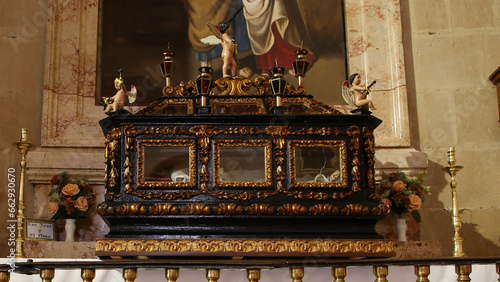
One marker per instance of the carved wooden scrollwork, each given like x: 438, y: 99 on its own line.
x: 112, y: 149
x: 354, y: 132
x: 370, y: 151
x: 287, y: 209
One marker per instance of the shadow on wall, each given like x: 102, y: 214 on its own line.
x: 437, y: 218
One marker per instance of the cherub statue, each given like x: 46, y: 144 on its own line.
x: 356, y: 94
x: 222, y: 33
x: 118, y: 101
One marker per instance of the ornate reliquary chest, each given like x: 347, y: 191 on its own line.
x: 237, y: 168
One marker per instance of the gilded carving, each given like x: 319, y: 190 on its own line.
x: 228, y: 209
x: 131, y: 209
x: 245, y: 246
x: 370, y: 151
x: 112, y: 147
x: 196, y: 209
x: 163, y: 209
x: 292, y: 209
x: 354, y: 132
x: 260, y: 209
x: 236, y: 209
x: 279, y: 143
x: 110, y: 196
x: 326, y: 209
x: 262, y: 85
x: 355, y: 209
x: 230, y: 86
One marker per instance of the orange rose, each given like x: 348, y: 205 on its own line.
x: 386, y: 202
x: 70, y: 189
x: 81, y: 203
x: 398, y: 185
x: 415, y: 202
x: 53, y: 206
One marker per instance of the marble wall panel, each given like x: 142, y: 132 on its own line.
x: 375, y: 50
x: 374, y: 47
x: 71, y: 59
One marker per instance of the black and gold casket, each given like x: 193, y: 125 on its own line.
x: 240, y: 175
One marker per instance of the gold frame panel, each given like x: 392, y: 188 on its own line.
x: 267, y: 144
x: 190, y: 143
x: 341, y: 144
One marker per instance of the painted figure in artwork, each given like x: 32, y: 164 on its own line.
x: 355, y: 94
x: 117, y: 102
x: 262, y: 28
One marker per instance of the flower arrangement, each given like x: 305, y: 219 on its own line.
x: 403, y: 194
x: 70, y: 197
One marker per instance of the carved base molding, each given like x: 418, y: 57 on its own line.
x: 245, y: 247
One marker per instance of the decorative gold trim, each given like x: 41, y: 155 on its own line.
x: 204, y: 134
x: 230, y: 86
x: 143, y: 143
x: 304, y: 247
x: 354, y: 132
x: 341, y: 144
x: 235, y: 209
x: 111, y: 151
x: 243, y: 143
x: 370, y: 151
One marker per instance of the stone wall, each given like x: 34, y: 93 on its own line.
x: 451, y: 48
x: 432, y: 60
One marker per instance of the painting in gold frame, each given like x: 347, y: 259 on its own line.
x: 137, y: 45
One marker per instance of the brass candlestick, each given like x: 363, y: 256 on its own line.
x: 452, y: 170
x: 23, y: 147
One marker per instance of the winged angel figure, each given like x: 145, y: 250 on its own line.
x: 355, y: 94
x: 117, y: 102
x: 221, y: 36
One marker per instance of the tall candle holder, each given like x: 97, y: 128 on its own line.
x: 23, y: 147
x: 452, y: 170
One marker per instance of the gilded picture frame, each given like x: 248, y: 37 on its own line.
x: 240, y: 160
x: 333, y: 161
x: 155, y: 171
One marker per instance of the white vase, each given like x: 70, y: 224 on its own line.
x: 70, y: 228
x: 401, y: 228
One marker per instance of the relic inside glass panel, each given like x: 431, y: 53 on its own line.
x: 242, y: 164
x: 317, y: 164
x: 166, y: 164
